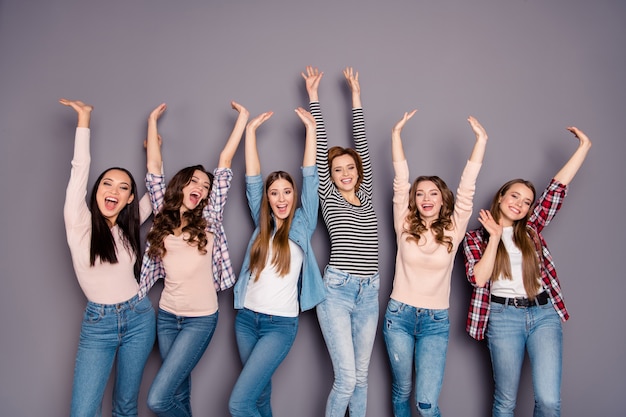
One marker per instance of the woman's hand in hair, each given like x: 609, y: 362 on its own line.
x: 83, y: 110
x: 312, y: 79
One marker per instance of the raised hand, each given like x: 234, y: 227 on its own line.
x: 493, y: 228
x: 312, y: 79
x: 479, y: 130
x: 157, y: 112
x: 254, y: 124
x: 352, y: 78
x: 407, y: 116
x: 584, y: 140
x: 82, y: 109
x: 306, y: 117
x: 240, y: 109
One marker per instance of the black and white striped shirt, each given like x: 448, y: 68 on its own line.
x: 352, y: 229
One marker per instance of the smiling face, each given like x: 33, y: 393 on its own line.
x: 280, y: 195
x: 515, y: 203
x: 428, y: 200
x: 196, y: 190
x: 113, y: 194
x: 344, y: 173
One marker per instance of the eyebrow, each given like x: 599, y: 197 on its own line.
x: 111, y: 179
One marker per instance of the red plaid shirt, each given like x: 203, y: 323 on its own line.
x: 476, y: 240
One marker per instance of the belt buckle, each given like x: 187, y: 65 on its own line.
x: 520, y: 302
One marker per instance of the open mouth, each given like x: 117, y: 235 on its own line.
x: 110, y: 203
x: 195, y: 197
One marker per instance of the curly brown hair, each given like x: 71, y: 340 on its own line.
x: 416, y: 225
x: 169, y: 218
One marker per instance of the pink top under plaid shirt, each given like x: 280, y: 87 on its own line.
x: 223, y: 274
x: 475, y: 241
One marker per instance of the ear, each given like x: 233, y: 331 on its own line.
x: 131, y: 199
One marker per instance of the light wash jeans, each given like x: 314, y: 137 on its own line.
x: 351, y: 303
x: 416, y: 337
x: 182, y: 342
x: 126, y: 330
x: 510, y: 332
x: 263, y: 341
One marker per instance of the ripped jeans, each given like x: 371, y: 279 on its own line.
x: 416, y: 338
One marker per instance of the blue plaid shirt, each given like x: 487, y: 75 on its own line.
x: 223, y: 275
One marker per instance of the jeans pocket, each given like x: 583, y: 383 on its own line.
x: 440, y: 315
x: 496, y: 308
x: 393, y: 306
x: 143, y: 306
x: 332, y: 280
x: 92, y: 316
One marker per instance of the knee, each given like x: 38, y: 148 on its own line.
x: 548, y: 406
x: 345, y: 383
x: 427, y: 409
x: 157, y: 403
x: 239, y: 407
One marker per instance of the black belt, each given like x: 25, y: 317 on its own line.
x: 541, y: 299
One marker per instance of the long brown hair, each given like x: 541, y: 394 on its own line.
x: 336, y: 151
x: 522, y: 239
x: 281, y: 257
x: 169, y: 218
x: 416, y: 225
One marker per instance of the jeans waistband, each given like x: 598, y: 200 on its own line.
x: 362, y: 278
x: 124, y: 305
x: 540, y: 300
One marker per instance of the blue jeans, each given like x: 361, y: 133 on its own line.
x: 263, y: 341
x: 125, y: 330
x: 351, y: 303
x: 416, y: 337
x: 510, y: 332
x: 182, y: 342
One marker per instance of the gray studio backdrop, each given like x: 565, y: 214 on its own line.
x: 525, y: 69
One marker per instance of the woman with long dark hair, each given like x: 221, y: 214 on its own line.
x: 118, y: 324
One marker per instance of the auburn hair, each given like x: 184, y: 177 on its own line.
x: 522, y: 239
x: 336, y: 151
x: 415, y: 225
x: 281, y: 257
x: 170, y: 218
x: 102, y: 244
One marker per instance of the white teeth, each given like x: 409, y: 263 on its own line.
x: 112, y: 200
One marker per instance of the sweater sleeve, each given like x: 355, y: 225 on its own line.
x: 401, y: 188
x: 323, y: 169
x: 465, y: 199
x: 75, y: 211
x: 361, y: 146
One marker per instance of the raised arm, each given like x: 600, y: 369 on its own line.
x: 312, y: 79
x: 478, y: 152
x: 226, y: 157
x: 83, y: 110
x: 253, y: 164
x: 352, y: 78
x: 569, y: 170
x: 310, y: 150
x: 153, y: 141
x: 397, y: 150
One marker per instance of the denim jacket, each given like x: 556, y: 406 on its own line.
x: 311, y: 286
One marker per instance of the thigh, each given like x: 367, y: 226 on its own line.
x: 94, y: 361
x: 335, y: 320
x: 276, y: 336
x: 365, y: 323
x: 430, y: 354
x: 134, y: 350
x: 506, y: 338
x: 400, y: 341
x: 545, y: 351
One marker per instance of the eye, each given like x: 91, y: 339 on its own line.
x: 107, y: 183
x: 287, y: 192
x: 125, y: 187
x: 419, y: 194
